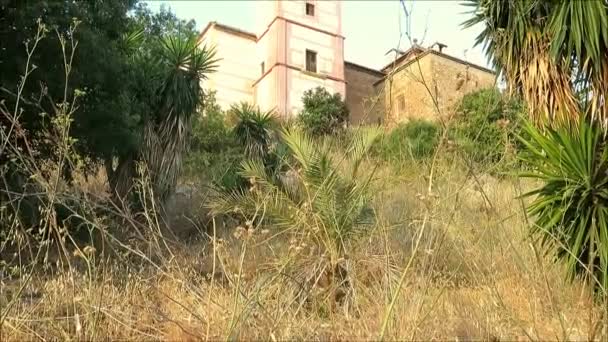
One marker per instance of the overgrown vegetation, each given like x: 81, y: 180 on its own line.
x: 215, y: 154
x: 559, y: 64
x: 304, y: 232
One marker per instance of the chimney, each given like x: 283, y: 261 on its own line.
x: 440, y: 46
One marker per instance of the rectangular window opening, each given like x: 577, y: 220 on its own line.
x: 310, y: 9
x: 401, y: 103
x: 262, y: 67
x: 311, y: 61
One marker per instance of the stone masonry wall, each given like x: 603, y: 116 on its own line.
x: 365, y: 106
x: 430, y: 88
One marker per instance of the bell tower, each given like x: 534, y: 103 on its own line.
x: 299, y: 47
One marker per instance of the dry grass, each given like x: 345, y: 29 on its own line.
x: 475, y: 276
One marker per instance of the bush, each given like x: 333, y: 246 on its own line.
x: 323, y: 112
x: 215, y: 154
x: 486, y: 124
x: 416, y: 139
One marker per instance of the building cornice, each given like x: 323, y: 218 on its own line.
x: 313, y: 74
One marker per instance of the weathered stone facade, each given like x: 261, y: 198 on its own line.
x: 428, y: 86
x: 365, y: 106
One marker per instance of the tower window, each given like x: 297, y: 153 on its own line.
x: 262, y: 67
x: 310, y: 9
x: 311, y: 61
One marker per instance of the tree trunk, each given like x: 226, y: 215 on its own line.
x: 121, y: 178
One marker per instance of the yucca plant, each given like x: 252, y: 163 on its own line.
x: 254, y: 129
x: 571, y: 206
x: 321, y: 196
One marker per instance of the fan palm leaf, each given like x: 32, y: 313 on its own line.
x: 313, y: 196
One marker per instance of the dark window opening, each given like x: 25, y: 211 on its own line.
x: 262, y: 66
x: 401, y: 103
x: 311, y: 61
x: 310, y: 9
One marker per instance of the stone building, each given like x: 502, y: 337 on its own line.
x: 298, y: 45
x: 426, y: 83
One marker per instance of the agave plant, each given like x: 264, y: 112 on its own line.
x: 571, y: 207
x: 254, y: 129
x: 321, y: 195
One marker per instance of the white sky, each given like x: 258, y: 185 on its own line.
x: 371, y: 27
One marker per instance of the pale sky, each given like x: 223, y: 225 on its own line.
x: 371, y: 27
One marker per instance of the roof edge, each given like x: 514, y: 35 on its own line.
x: 228, y: 29
x: 365, y: 69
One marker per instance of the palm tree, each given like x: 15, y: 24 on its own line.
x: 550, y: 52
x: 254, y: 129
x: 321, y: 195
x: 555, y: 53
x: 170, y: 72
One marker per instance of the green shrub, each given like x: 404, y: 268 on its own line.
x: 323, y: 112
x: 215, y: 154
x: 416, y: 139
x: 485, y: 125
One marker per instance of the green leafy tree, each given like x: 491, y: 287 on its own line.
x: 323, y: 113
x: 104, y: 123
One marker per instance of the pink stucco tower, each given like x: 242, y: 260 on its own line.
x: 300, y: 46
x: 297, y: 45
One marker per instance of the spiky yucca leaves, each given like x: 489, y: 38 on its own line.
x: 182, y: 67
x: 550, y: 52
x: 254, y: 129
x: 322, y: 197
x: 571, y: 207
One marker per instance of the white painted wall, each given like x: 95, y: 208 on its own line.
x: 235, y: 74
x: 326, y: 14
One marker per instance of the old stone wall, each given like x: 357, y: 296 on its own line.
x: 430, y: 88
x: 365, y: 105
